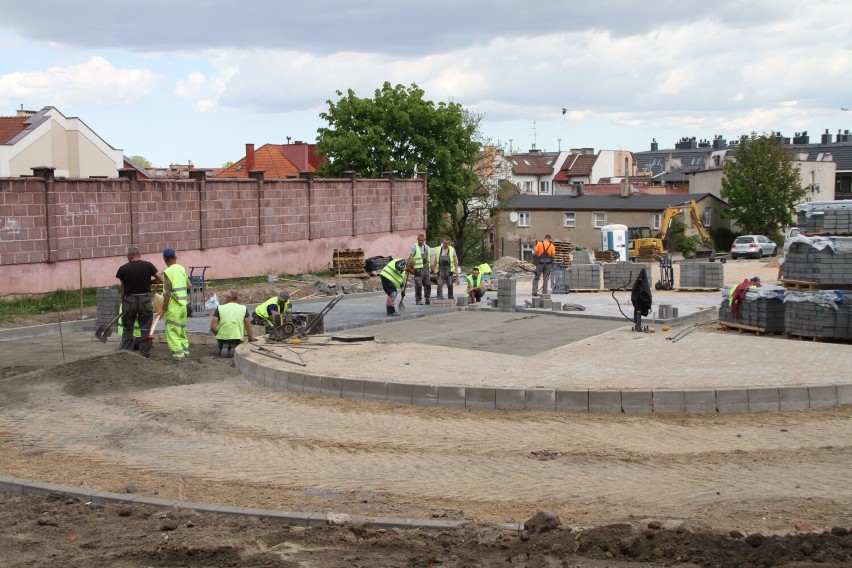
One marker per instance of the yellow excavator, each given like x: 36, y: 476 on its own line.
x: 639, y: 237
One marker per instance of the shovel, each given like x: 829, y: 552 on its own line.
x: 153, y: 327
x: 401, y: 307
x: 105, y: 330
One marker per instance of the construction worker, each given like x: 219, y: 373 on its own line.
x: 544, y: 252
x: 136, y: 276
x: 475, y: 285
x: 229, y: 321
x: 175, y: 305
x: 265, y: 313
x: 421, y: 253
x: 447, y: 265
x: 392, y: 276
x: 137, y: 331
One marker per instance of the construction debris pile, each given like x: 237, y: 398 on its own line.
x: 509, y: 266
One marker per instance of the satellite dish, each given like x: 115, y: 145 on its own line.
x: 513, y: 217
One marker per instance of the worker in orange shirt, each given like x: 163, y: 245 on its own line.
x: 544, y: 252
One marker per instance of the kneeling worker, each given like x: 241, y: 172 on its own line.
x: 265, y: 313
x: 475, y: 285
x: 392, y: 276
x: 229, y: 321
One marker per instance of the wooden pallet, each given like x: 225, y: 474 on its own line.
x: 806, y: 285
x: 698, y: 289
x: 585, y: 290
x: 818, y: 338
x: 742, y: 328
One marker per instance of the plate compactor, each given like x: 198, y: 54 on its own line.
x: 299, y: 325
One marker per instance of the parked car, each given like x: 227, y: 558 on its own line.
x: 753, y: 246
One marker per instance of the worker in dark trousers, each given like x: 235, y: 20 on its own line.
x: 475, y: 286
x: 392, y: 277
x: 422, y: 274
x: 137, y: 311
x: 544, y: 252
x: 448, y: 268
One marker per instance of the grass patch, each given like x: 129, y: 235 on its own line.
x: 227, y: 283
x: 59, y: 301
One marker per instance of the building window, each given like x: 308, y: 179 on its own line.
x: 569, y: 221
x: 707, y: 218
x: 656, y: 221
x: 528, y: 187
x: 598, y: 219
x: 523, y: 219
x: 544, y: 187
x: 527, y: 252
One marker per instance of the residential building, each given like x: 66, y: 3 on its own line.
x: 277, y: 161
x: 48, y: 138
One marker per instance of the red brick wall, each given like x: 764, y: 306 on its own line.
x: 51, y: 230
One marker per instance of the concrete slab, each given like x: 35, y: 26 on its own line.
x: 510, y: 399
x: 311, y: 384
x: 376, y: 390
x: 572, y: 400
x: 699, y: 401
x: 637, y: 401
x: 763, y: 399
x: 731, y: 400
x: 453, y: 397
x: 793, y: 398
x: 605, y: 401
x: 823, y: 396
x: 540, y: 399
x: 424, y: 395
x: 352, y: 388
x: 669, y: 401
x: 480, y: 397
x: 400, y: 392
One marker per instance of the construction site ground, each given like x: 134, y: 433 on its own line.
x: 667, y: 489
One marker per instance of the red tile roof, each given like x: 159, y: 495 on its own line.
x: 532, y: 164
x: 278, y: 161
x: 576, y: 165
x: 11, y: 126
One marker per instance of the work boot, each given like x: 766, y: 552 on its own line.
x: 231, y: 350
x: 223, y: 352
x: 427, y: 301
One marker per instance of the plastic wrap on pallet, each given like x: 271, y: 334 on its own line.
x: 827, y: 217
x: 762, y: 309
x: 841, y: 245
x: 818, y: 314
x: 828, y: 298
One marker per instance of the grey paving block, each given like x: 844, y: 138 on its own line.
x: 730, y: 401
x: 844, y: 394
x: 424, y: 395
x: 572, y: 400
x: 510, y: 399
x: 437, y: 524
x: 669, y: 401
x: 793, y: 398
x: 763, y: 399
x: 311, y: 384
x: 391, y: 523
x: 108, y: 497
x: 375, y: 390
x: 605, y: 401
x: 316, y: 519
x: 540, y: 399
x: 331, y: 386
x: 699, y: 401
x: 39, y: 488
x: 196, y: 506
x: 295, y: 382
x: 400, y: 392
x: 823, y: 396
x: 637, y: 401
x: 246, y: 511
x: 352, y: 388
x: 480, y: 397
x: 157, y: 501
x: 451, y: 396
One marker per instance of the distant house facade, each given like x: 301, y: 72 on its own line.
x: 524, y: 219
x: 276, y: 161
x: 47, y: 138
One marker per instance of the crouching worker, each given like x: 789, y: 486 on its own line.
x: 265, y: 313
x: 392, y: 276
x: 229, y: 321
x: 475, y: 285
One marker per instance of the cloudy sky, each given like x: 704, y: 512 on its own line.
x: 198, y: 79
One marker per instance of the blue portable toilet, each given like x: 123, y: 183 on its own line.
x: 614, y: 237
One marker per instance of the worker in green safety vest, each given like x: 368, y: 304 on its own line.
x: 265, y: 313
x: 175, y: 302
x: 392, y: 276
x: 475, y: 285
x: 230, y: 321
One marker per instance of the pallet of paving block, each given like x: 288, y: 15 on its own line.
x: 742, y: 328
x: 806, y: 285
x: 584, y: 290
x: 818, y: 338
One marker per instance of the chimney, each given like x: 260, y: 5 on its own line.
x: 249, y: 157
x: 625, y: 188
x: 826, y: 137
x: 654, y: 145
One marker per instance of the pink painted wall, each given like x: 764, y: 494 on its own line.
x: 51, y: 231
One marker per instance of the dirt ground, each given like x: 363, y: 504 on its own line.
x: 676, y: 490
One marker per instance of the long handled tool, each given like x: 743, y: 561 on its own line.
x: 153, y: 327
x: 401, y: 307
x: 105, y: 330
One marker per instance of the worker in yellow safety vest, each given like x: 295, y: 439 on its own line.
x: 229, y: 322
x: 447, y: 266
x: 175, y: 303
x: 475, y: 285
x: 265, y: 313
x: 421, y: 255
x: 392, y: 276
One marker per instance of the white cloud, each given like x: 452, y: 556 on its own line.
x: 95, y: 81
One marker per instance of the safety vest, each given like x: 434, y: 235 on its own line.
x: 231, y: 321
x: 477, y: 283
x: 263, y: 310
x: 180, y: 283
x: 418, y: 255
x: 391, y: 273
x: 543, y: 249
x: 451, y: 255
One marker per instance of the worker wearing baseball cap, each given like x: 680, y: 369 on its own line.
x: 276, y: 305
x: 136, y: 309
x: 175, y: 305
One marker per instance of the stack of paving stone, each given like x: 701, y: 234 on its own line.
x: 563, y: 248
x: 822, y: 262
x: 762, y: 309
x: 583, y: 277
x: 584, y: 256
x: 702, y: 275
x: 506, y: 293
x: 818, y: 313
x: 108, y: 302
x: 348, y: 261
x: 649, y: 253
x: 617, y: 275
x: 825, y: 218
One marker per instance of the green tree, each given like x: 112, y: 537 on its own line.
x: 401, y: 132
x: 140, y: 161
x: 761, y: 185
x: 228, y: 164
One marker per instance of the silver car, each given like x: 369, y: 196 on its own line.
x: 753, y: 246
